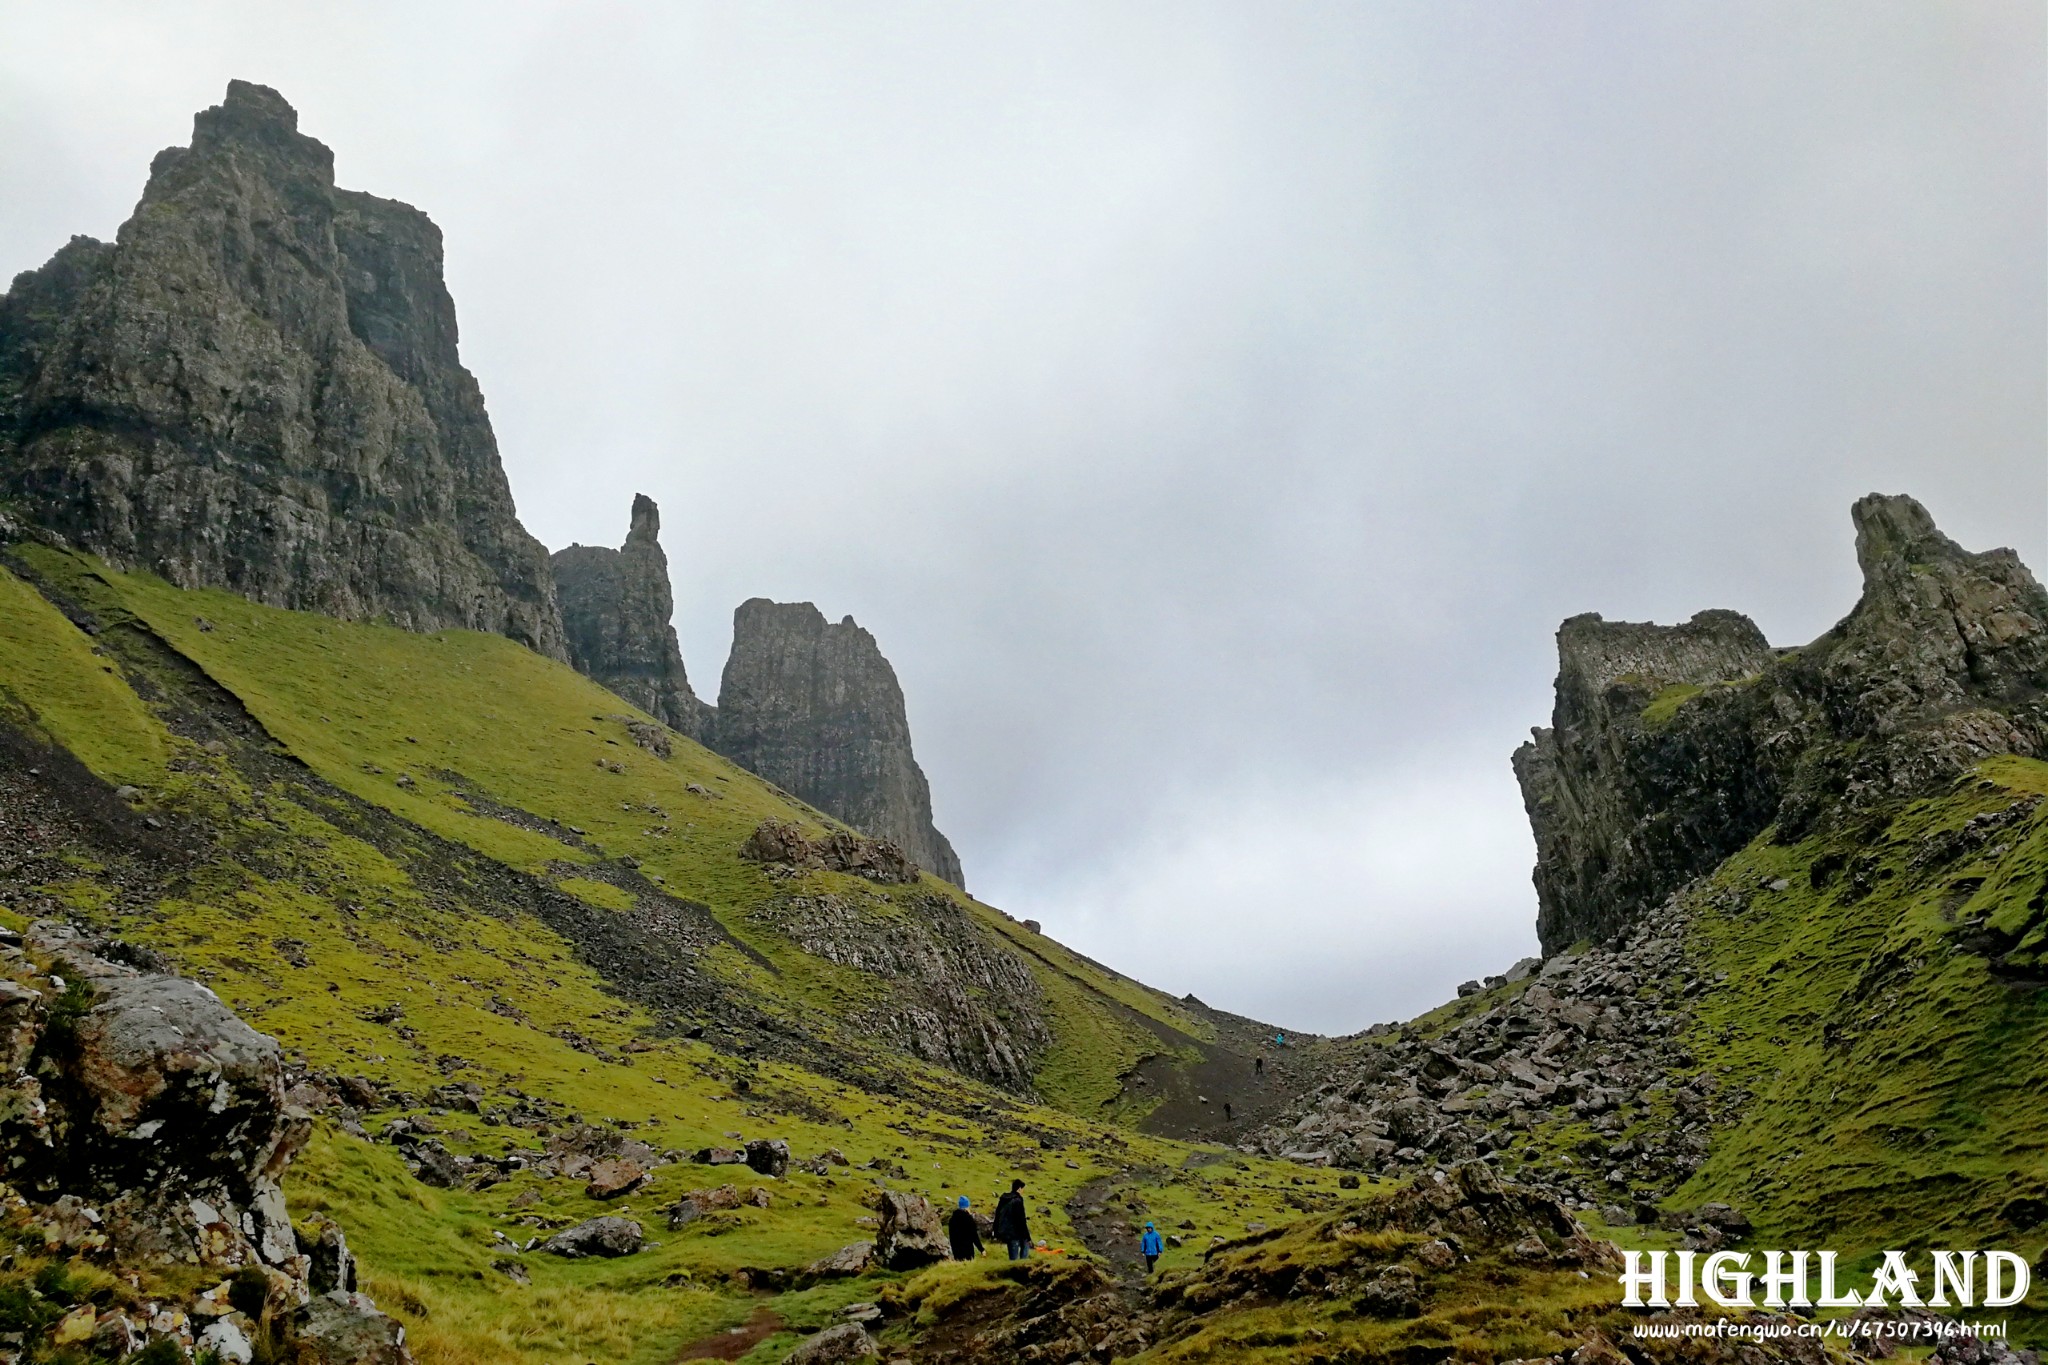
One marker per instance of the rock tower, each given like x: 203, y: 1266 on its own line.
x: 256, y: 387
x: 616, y: 612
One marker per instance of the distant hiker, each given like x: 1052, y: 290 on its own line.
x: 1012, y: 1229
x: 1259, y: 1066
x: 1226, y: 1111
x: 1279, y: 1040
x: 964, y: 1233
x: 1151, y: 1245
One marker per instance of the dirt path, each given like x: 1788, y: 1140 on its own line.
x: 733, y: 1342
x: 1103, y: 1221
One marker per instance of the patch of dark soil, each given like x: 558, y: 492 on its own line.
x: 57, y: 820
x: 734, y: 1342
x: 1227, y: 1095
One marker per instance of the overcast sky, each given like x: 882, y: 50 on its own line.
x: 1212, y: 409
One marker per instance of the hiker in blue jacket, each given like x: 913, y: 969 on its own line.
x: 963, y: 1232
x: 1152, y: 1246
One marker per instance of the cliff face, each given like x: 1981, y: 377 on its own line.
x: 815, y: 708
x: 1672, y: 747
x: 616, y: 612
x: 256, y: 387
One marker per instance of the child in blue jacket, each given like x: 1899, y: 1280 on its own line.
x: 1151, y: 1245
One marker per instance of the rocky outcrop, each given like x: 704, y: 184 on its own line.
x: 1670, y: 748
x: 142, y: 1095
x: 617, y: 607
x: 815, y: 708
x: 604, y: 1236
x: 785, y: 846
x: 1625, y: 808
x: 256, y: 387
x: 143, y: 1123
x: 956, y: 996
x: 1395, y: 1268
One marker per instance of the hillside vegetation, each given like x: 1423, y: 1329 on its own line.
x: 443, y: 865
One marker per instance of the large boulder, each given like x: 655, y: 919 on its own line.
x: 341, y: 1328
x: 606, y: 1236
x: 151, y: 1101
x: 855, y: 1258
x: 613, y: 1177
x: 909, y: 1233
x: 769, y: 1157
x: 330, y: 1265
x: 145, y: 1123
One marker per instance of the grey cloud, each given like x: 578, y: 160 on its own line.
x: 1211, y: 409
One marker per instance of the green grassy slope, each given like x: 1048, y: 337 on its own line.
x: 453, y: 730
x: 328, y: 912
x: 61, y: 687
x: 1901, y: 1083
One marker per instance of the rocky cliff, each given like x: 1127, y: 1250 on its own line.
x: 256, y: 387
x: 811, y: 706
x: 815, y: 708
x: 616, y: 613
x: 1672, y: 747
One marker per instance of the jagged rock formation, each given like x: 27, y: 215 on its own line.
x: 616, y: 611
x: 256, y: 387
x: 145, y: 1123
x: 1670, y: 748
x: 1612, y: 794
x: 815, y: 708
x: 811, y: 706
x: 779, y: 844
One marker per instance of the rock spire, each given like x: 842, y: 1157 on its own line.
x: 811, y: 706
x: 256, y: 387
x: 616, y: 612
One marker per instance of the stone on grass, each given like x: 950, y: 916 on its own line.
x: 346, y: 1329
x: 769, y: 1157
x: 613, y: 1177
x: 606, y: 1236
x: 834, y: 1346
x: 852, y: 1259
x: 226, y: 1339
x: 909, y: 1234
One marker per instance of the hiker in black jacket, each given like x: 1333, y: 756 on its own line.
x: 1012, y: 1229
x: 964, y: 1233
